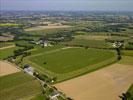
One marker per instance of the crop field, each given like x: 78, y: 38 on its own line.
x: 6, y: 68
x: 8, y: 25
x: 47, y: 27
x: 127, y: 52
x: 92, y: 37
x: 104, y: 84
x: 18, y: 86
x: 49, y: 31
x: 89, y: 43
x: 130, y: 90
x: 70, y: 62
x: 128, y: 60
x: 6, y: 38
x: 100, y: 37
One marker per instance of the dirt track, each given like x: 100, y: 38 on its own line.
x: 7, y: 68
x: 104, y: 84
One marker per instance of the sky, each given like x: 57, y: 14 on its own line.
x: 114, y: 5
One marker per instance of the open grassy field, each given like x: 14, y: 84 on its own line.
x: 5, y: 44
x: 92, y: 37
x: 18, y: 86
x: 49, y: 31
x: 4, y: 53
x: 8, y: 25
x: 104, y: 84
x: 66, y: 63
x: 126, y: 60
x: 127, y: 52
x: 7, y: 68
x: 130, y: 90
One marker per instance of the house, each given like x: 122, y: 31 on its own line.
x: 44, y: 43
x: 28, y: 69
x: 54, y: 95
x: 118, y: 44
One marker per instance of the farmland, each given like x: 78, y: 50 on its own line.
x: 104, y: 84
x: 79, y: 55
x: 47, y: 27
x: 6, y: 44
x: 7, y: 52
x: 6, y: 68
x: 88, y: 43
x: 60, y: 63
x: 130, y: 90
x: 18, y: 86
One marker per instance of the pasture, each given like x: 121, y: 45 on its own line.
x: 8, y: 25
x: 18, y: 86
x: 5, y: 44
x: 130, y: 90
x: 89, y: 43
x: 7, y: 68
x: 66, y: 63
x: 92, y: 37
x: 4, y: 53
x: 104, y: 84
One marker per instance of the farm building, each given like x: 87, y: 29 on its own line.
x: 28, y: 69
x: 54, y: 95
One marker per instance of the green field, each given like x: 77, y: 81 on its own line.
x: 18, y: 85
x: 130, y: 90
x: 4, y: 44
x: 8, y: 25
x: 70, y: 62
x: 127, y: 57
x: 127, y: 52
x: 7, y: 52
x: 89, y: 43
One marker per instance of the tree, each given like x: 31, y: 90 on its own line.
x: 118, y: 46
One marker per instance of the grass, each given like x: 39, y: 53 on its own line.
x: 4, y: 44
x: 49, y: 31
x: 39, y: 49
x: 7, y: 52
x: 127, y: 52
x: 71, y: 62
x: 39, y: 97
x: 130, y: 90
x: 63, y: 61
x: 18, y: 86
x: 126, y: 60
x: 9, y: 25
x: 89, y: 43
